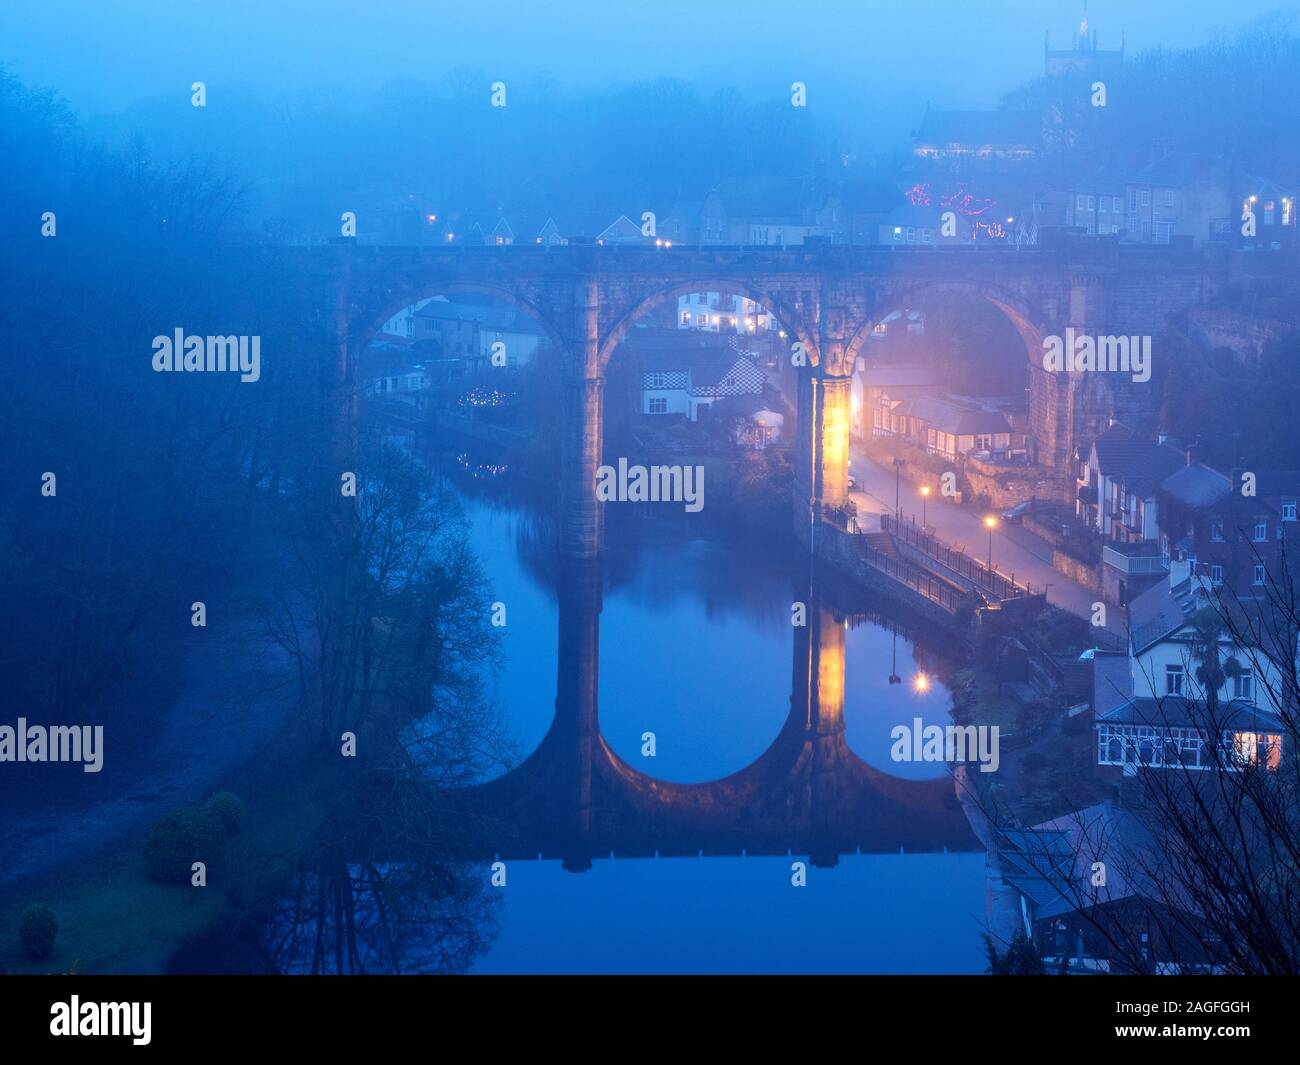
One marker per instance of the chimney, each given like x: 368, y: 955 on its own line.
x: 1180, y: 571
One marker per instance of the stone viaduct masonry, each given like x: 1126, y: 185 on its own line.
x: 827, y: 298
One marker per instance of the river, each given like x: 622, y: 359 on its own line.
x: 695, y: 640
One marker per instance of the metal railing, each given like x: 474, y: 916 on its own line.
x: 933, y: 588
x: 988, y: 580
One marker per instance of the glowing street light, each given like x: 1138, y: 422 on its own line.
x: 990, y: 523
x: 925, y: 496
x: 921, y: 684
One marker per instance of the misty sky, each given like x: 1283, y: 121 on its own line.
x: 103, y: 55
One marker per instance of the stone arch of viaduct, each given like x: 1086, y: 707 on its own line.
x: 828, y: 298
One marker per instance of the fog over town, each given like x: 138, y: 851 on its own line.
x: 689, y: 488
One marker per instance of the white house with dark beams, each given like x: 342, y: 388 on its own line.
x: 683, y: 373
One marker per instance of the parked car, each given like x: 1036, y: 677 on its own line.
x: 1014, y: 514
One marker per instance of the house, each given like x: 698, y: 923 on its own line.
x: 907, y: 225
x: 765, y: 427
x: 1157, y: 711
x: 1234, y: 540
x: 950, y: 426
x: 1153, y: 502
x: 392, y: 368
x: 590, y: 227
x: 852, y: 211
x: 719, y: 312
x: 683, y: 373
x: 622, y: 230
x: 1175, y: 732
x: 878, y: 391
x: 1157, y: 203
x: 769, y: 210
x: 754, y: 424
x: 1272, y: 208
x: 471, y: 331
x: 1123, y: 921
x: 402, y: 324
x: 685, y: 223
x: 500, y: 234
x: 1095, y: 203
x: 1117, y: 487
x: 550, y: 234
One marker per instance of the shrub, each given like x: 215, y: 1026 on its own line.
x: 180, y: 838
x: 36, y: 929
x: 229, y: 809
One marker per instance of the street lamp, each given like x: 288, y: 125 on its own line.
x: 898, y: 473
x: 925, y: 495
x: 921, y: 683
x: 990, y: 523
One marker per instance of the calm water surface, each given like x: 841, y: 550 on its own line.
x: 682, y: 618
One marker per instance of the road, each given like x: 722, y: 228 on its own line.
x: 1015, y: 549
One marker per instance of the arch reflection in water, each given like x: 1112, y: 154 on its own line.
x: 807, y: 794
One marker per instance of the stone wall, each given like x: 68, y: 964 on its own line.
x: 1003, y: 486
x: 1246, y: 336
x: 1084, y: 573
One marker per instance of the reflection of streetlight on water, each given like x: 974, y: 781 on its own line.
x: 894, y: 678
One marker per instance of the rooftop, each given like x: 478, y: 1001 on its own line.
x: 1175, y: 711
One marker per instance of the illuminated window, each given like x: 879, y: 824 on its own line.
x: 1256, y: 748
